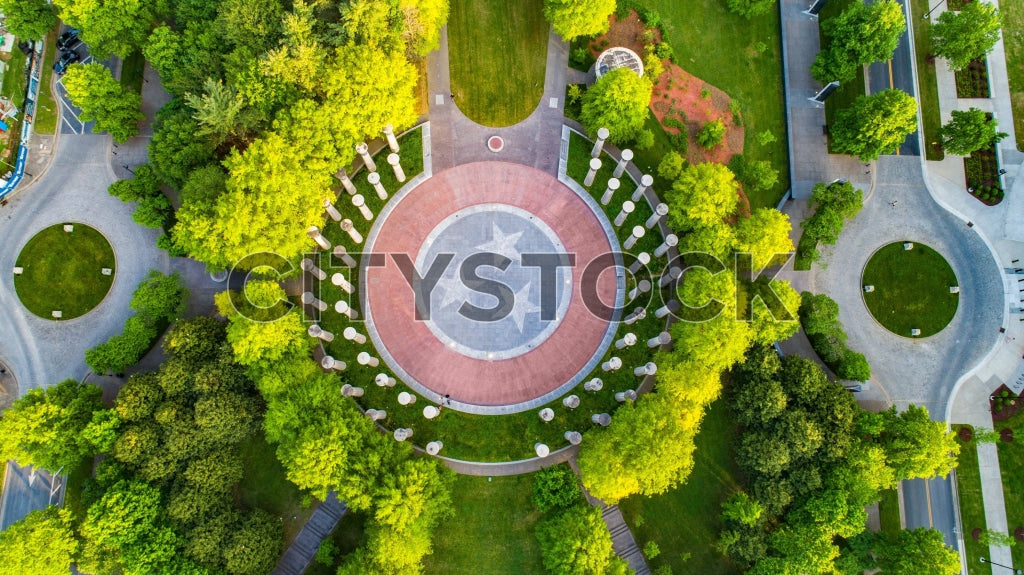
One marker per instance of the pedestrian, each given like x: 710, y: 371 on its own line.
x: 447, y: 399
x: 452, y: 94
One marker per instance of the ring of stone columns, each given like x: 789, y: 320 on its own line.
x: 539, y: 368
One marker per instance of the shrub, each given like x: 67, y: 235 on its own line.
x: 556, y: 488
x: 644, y: 140
x: 737, y: 114
x: 671, y: 165
x: 664, y: 51
x: 325, y: 554
x: 711, y: 134
x: 766, y: 137
x: 819, y: 316
x: 651, y: 550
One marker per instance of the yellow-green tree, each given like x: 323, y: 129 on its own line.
x: 104, y: 100
x: 574, y: 18
x: 43, y: 543
x: 617, y: 101
x: 705, y: 194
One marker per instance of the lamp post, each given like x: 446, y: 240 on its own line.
x: 929, y: 13
x: 1017, y: 571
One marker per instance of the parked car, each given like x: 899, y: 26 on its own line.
x: 69, y: 35
x: 71, y: 45
x: 65, y: 60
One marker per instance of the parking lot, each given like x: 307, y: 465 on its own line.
x: 70, y: 122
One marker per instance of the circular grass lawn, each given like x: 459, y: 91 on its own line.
x: 911, y: 289
x: 64, y: 271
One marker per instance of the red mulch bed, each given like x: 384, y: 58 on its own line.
x: 976, y: 533
x: 1018, y: 534
x: 1008, y: 410
x: 966, y: 434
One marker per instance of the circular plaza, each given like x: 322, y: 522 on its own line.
x: 491, y: 287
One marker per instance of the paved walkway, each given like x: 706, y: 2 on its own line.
x: 302, y: 551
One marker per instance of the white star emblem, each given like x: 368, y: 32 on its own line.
x: 454, y: 291
x: 502, y: 243
x: 523, y: 306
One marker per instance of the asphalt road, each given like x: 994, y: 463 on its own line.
x: 897, y: 73
x: 929, y: 504
x: 27, y: 491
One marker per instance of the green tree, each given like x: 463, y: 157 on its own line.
x: 861, y: 34
x: 915, y: 445
x: 102, y: 99
x: 618, y: 102
x: 967, y: 35
x: 874, y: 124
x: 750, y: 8
x: 915, y: 552
x: 704, y: 195
x: 28, y: 19
x: 258, y: 343
x: 160, y: 298
x: 575, y: 542
x: 764, y: 235
x: 556, y: 488
x: 969, y: 131
x: 256, y: 546
x: 118, y: 26
x: 44, y: 427
x: 175, y: 152
x: 43, y: 543
x: 101, y: 433
x: 573, y: 18
x: 671, y: 165
x: 711, y: 134
x: 221, y: 113
x: 742, y: 509
x: 422, y: 23
x: 833, y: 204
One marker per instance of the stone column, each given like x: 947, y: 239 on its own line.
x: 541, y: 450
x: 332, y: 211
x: 606, y: 197
x: 546, y: 414
x: 645, y: 182
x: 638, y: 232
x: 430, y: 412
x: 382, y: 379
x: 376, y: 414
x: 637, y: 315
x: 627, y: 340
x: 573, y: 437
x: 612, y: 364
x: 314, y: 234
x: 642, y: 286
x: 602, y: 419
x: 396, y: 166
x: 660, y: 211
x: 351, y: 391
x: 309, y: 299
x: 571, y: 402
x: 341, y: 253
x: 666, y: 309
x: 329, y: 362
x: 374, y: 179
x: 642, y: 259
x: 650, y: 368
x: 627, y: 208
x: 366, y: 359
x: 593, y: 385
x: 348, y: 227
x: 628, y: 395
x: 364, y: 152
x: 339, y: 280
x: 359, y: 202
x: 671, y: 276
x: 602, y: 135
x: 595, y: 165
x: 307, y: 265
x: 351, y: 334
x: 406, y: 398
x: 346, y: 182
x: 346, y: 310
x: 434, y: 447
x: 389, y: 133
x: 402, y: 433
x: 663, y: 338
x: 317, y: 331
x: 671, y: 241
x: 627, y: 155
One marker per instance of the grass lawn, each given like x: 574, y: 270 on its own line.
x: 45, y: 121
x: 479, y: 437
x: 972, y: 509
x: 265, y: 486
x: 889, y: 511
x: 497, y: 54
x: 1013, y: 41
x: 492, y: 530
x: 848, y: 91
x: 721, y: 48
x: 131, y: 71
x: 927, y: 84
x: 13, y: 86
x: 63, y: 271
x: 1011, y: 462
x: 911, y: 289
x: 685, y: 520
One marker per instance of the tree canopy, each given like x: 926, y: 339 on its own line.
x: 705, y: 194
x: 43, y: 543
x: 967, y: 35
x: 575, y: 542
x: 861, y: 34
x: 875, y: 124
x: 574, y: 18
x: 968, y: 131
x: 28, y: 19
x: 617, y: 101
x: 104, y: 100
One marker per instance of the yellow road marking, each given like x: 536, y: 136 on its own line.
x: 928, y: 496
x: 891, y: 86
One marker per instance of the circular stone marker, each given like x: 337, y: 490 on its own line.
x: 64, y: 274
x: 505, y: 320
x: 495, y: 144
x: 910, y: 289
